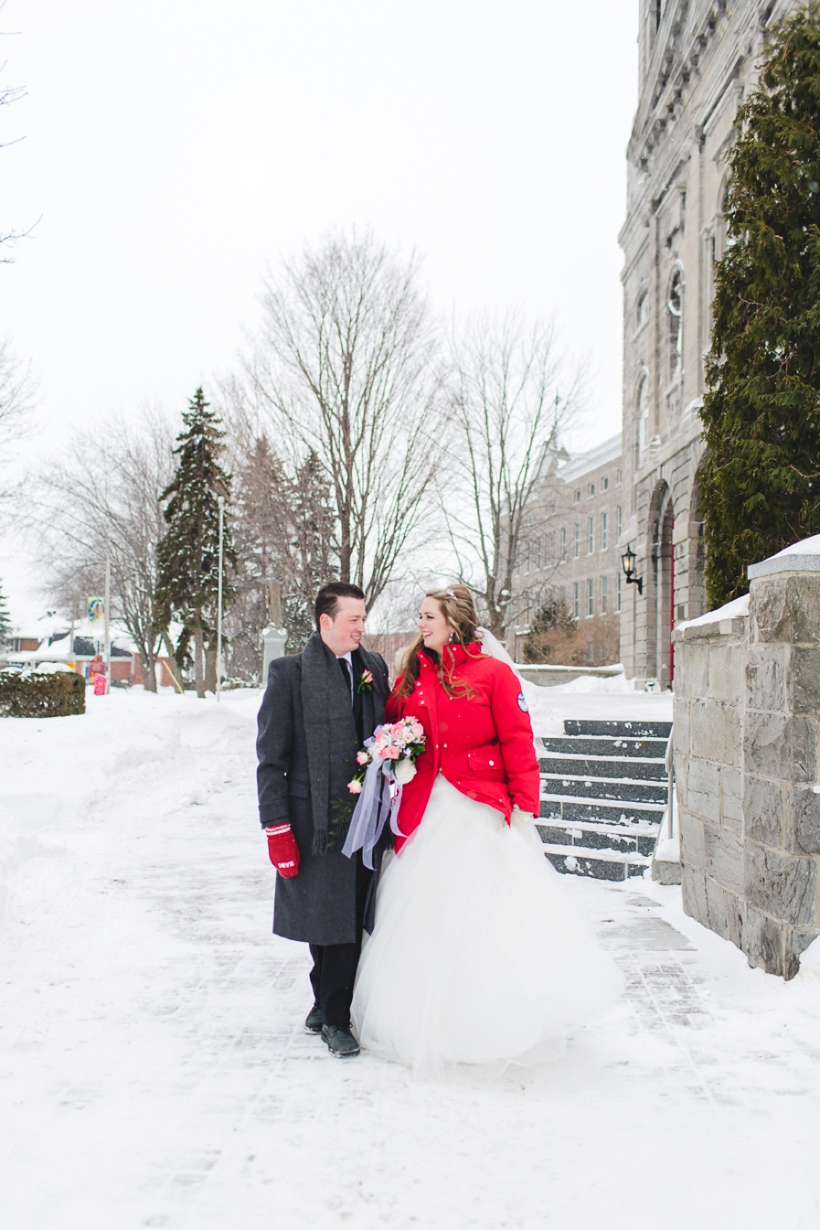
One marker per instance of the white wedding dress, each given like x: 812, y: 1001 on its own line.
x: 477, y: 956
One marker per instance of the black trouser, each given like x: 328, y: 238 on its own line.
x: 335, y: 965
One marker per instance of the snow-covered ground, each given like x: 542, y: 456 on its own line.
x: 154, y: 1072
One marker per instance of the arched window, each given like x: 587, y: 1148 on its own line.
x: 642, y: 309
x: 674, y: 307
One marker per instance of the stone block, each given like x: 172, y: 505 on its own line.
x: 731, y: 804
x: 681, y: 777
x: 725, y: 672
x: 786, y: 608
x: 780, y: 884
x: 781, y: 747
x: 716, y: 908
x: 766, y: 668
x: 723, y: 857
x: 691, y: 840
x: 802, y: 821
x: 796, y: 944
x: 803, y: 680
x: 681, y: 719
x: 715, y: 732
x: 763, y: 941
x: 703, y: 789
x: 693, y: 895
x: 735, y: 917
x: 692, y: 669
x: 763, y: 811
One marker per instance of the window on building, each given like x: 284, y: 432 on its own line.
x: 641, y: 309
x: 563, y: 543
x: 604, y: 531
x: 605, y: 484
x: 619, y: 476
x: 576, y: 599
x: 577, y: 539
x: 527, y: 557
x: 590, y: 535
x: 563, y: 595
x: 619, y: 521
x: 577, y: 497
x: 617, y: 591
x: 590, y: 597
x: 674, y: 308
x: 604, y: 594
x: 642, y: 440
x: 549, y: 554
x: 591, y: 490
x: 538, y: 553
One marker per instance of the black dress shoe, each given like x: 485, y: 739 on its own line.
x: 340, y: 1042
x: 314, y: 1020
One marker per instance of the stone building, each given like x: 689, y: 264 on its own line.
x: 569, y: 551
x: 698, y: 60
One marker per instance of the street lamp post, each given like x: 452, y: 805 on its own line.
x: 628, y: 562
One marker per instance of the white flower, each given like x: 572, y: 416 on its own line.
x: 404, y: 770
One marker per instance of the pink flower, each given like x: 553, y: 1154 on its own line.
x: 362, y: 757
x: 354, y: 787
x: 392, y: 752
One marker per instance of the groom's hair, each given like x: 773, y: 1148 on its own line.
x: 327, y: 599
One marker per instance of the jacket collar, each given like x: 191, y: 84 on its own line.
x: 454, y: 655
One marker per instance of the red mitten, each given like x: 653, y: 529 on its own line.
x: 283, y: 850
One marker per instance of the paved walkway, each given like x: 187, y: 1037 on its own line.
x: 153, y: 1069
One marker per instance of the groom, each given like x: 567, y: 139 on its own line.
x: 319, y: 707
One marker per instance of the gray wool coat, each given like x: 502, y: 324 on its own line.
x: 304, y: 763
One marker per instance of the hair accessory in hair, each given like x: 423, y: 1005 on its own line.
x: 450, y: 594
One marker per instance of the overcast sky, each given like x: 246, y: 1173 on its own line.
x: 173, y: 149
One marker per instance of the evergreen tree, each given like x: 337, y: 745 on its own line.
x: 761, y: 412
x: 188, y: 554
x: 5, y: 622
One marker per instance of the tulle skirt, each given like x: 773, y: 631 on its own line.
x: 477, y: 956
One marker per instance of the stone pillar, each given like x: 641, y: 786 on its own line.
x: 781, y: 793
x: 747, y: 762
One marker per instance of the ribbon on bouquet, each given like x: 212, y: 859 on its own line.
x: 370, y: 814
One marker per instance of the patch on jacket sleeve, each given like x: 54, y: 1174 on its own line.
x: 522, y: 702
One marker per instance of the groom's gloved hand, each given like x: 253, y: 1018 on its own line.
x: 282, y: 849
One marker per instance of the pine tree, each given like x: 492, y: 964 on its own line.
x: 188, y: 554
x: 5, y: 622
x: 761, y: 412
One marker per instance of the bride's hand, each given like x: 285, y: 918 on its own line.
x: 522, y: 817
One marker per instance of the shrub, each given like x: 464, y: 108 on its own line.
x: 61, y: 694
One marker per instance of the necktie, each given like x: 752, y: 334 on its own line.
x: 348, y: 674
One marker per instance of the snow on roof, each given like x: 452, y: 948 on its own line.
x: 603, y: 454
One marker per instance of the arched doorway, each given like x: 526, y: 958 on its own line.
x: 661, y: 609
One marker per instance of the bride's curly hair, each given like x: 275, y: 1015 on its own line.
x: 457, y: 607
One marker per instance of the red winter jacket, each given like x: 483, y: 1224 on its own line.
x: 482, y: 744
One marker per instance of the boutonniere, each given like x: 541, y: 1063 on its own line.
x: 365, y: 682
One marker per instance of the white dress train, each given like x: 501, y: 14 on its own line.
x: 477, y: 956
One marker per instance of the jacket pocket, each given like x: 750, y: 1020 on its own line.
x: 487, y: 762
x: 299, y: 788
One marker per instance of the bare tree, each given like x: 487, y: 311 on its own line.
x: 346, y: 369
x: 8, y: 95
x: 508, y: 415
x: 101, y: 500
x: 17, y: 389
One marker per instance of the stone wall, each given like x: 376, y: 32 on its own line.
x: 747, y: 763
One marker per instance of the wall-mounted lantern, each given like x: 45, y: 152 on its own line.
x: 628, y: 561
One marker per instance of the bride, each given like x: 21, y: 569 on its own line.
x: 476, y: 956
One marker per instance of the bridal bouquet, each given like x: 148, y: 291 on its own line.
x: 388, y: 760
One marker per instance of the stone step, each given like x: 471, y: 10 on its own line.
x: 593, y: 836
x: 583, y: 766
x: 602, y: 788
x: 597, y: 864
x: 606, y: 745
x: 559, y: 808
x: 621, y: 730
